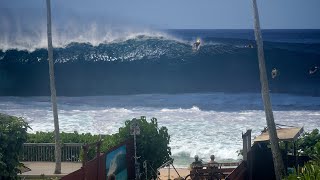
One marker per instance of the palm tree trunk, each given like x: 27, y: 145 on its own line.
x: 53, y: 94
x: 277, y: 159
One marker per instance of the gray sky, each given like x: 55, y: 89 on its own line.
x: 168, y: 14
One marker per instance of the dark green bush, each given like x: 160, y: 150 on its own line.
x: 13, y: 133
x: 308, y: 142
x: 152, y: 143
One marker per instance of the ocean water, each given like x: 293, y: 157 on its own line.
x: 151, y: 62
x: 199, y: 124
x: 206, y: 98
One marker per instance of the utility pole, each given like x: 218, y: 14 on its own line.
x: 277, y: 159
x: 135, y: 130
x: 53, y: 94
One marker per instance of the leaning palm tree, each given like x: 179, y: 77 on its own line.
x: 277, y: 159
x: 53, y: 94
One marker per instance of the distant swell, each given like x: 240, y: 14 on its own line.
x: 156, y: 64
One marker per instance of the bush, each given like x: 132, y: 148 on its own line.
x: 309, y: 171
x: 152, y: 143
x: 13, y: 133
x: 315, y: 156
x: 308, y: 142
x: 75, y: 137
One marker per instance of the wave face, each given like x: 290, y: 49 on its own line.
x: 165, y: 63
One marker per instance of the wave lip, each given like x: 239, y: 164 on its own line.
x: 37, y: 39
x: 151, y: 62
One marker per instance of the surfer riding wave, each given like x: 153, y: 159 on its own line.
x: 196, y: 45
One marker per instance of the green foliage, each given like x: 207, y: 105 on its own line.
x: 13, y: 133
x: 41, y: 137
x: 309, y: 144
x: 152, y: 143
x: 305, y: 144
x: 308, y: 141
x: 316, y: 154
x: 309, y: 171
x: 75, y: 137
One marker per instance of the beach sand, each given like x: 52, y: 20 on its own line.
x: 182, y: 171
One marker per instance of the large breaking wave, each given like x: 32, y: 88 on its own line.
x: 157, y: 62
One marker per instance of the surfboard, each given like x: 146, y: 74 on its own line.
x: 195, y: 48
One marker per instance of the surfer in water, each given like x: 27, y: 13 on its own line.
x: 274, y: 73
x: 196, y: 45
x: 249, y: 46
x: 313, y: 70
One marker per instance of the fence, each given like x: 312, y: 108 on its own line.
x: 45, y: 152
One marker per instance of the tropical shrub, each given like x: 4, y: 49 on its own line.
x: 316, y: 154
x: 309, y: 171
x: 13, y: 133
x: 152, y: 143
x: 75, y: 137
x: 305, y: 144
x: 308, y: 142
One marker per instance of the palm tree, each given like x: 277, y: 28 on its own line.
x: 53, y: 94
x: 277, y: 159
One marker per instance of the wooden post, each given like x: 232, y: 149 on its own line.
x: 98, y: 148
x: 249, y: 155
x: 85, y: 152
x: 295, y: 155
x: 98, y: 158
x: 286, y: 157
x: 245, y: 147
x: 249, y: 139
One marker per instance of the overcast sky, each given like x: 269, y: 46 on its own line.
x: 172, y: 14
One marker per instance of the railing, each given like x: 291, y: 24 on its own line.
x: 45, y: 152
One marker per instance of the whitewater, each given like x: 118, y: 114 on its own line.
x: 199, y: 123
x: 206, y: 99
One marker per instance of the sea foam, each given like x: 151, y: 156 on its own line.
x: 199, y: 124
